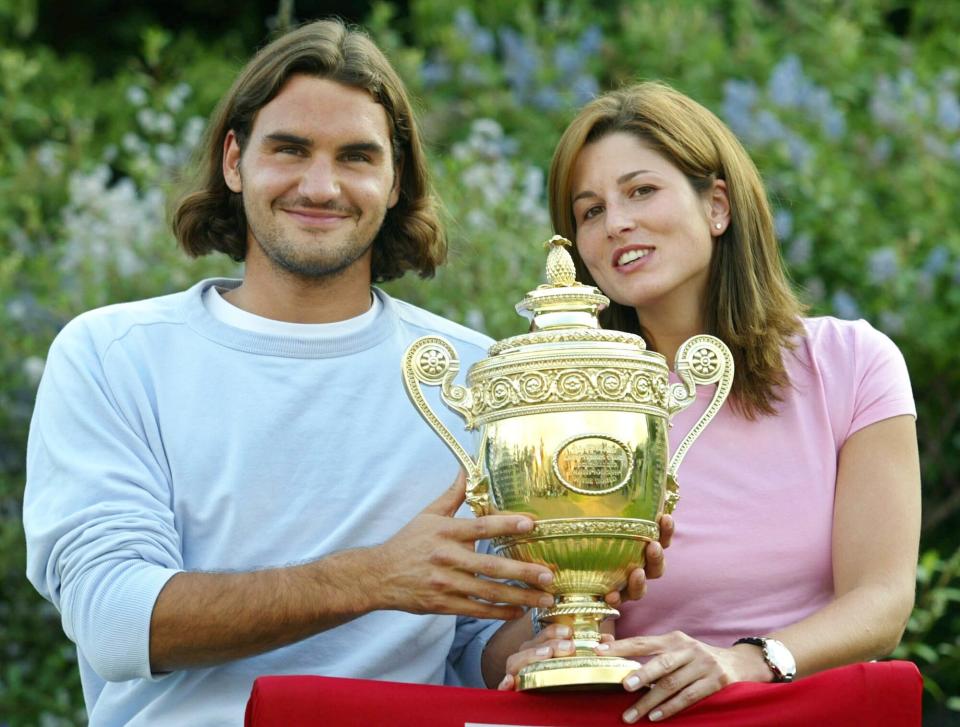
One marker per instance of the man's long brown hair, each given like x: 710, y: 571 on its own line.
x: 209, y: 216
x: 749, y: 304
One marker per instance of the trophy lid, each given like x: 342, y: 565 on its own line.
x: 564, y: 310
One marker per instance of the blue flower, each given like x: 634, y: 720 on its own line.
x: 937, y: 260
x: 739, y: 99
x: 783, y: 223
x: 800, y: 151
x: 591, y: 40
x: 844, y: 306
x: 948, y: 111
x: 568, y: 59
x: 585, y: 88
x: 880, y: 152
x: 521, y: 61
x: 883, y: 265
x: 435, y: 71
x: 767, y: 128
x: 547, y: 99
x: 464, y: 21
x: 891, y: 323
x: 787, y: 85
x: 801, y: 250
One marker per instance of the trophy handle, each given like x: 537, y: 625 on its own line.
x: 431, y: 360
x: 700, y: 360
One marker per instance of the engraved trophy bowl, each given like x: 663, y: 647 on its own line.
x: 573, y: 422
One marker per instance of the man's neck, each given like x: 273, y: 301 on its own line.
x: 297, y: 300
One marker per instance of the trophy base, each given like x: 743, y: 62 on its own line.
x: 575, y: 672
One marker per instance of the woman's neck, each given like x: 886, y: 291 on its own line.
x: 666, y: 329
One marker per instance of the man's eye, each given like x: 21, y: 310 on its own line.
x: 356, y: 156
x: 295, y: 150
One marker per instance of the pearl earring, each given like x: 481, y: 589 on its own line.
x: 719, y: 226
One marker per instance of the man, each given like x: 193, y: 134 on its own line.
x: 230, y: 481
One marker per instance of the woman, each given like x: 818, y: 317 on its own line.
x: 798, y: 526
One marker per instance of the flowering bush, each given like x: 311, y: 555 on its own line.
x: 853, y: 118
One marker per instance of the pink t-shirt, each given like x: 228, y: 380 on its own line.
x: 751, y: 552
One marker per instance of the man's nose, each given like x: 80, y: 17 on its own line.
x: 320, y: 181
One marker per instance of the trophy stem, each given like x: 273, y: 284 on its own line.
x: 583, y: 613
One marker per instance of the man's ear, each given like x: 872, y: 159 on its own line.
x: 231, y: 162
x: 719, y: 208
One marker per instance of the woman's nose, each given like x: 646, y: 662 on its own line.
x: 619, y: 219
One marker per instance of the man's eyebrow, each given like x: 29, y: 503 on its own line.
x: 620, y: 180
x: 287, y: 138
x: 371, y: 147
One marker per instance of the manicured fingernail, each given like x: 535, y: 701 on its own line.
x: 545, y: 601
x: 545, y: 579
x: 524, y: 525
x: 602, y: 647
x: 505, y: 682
x: 631, y: 715
x: 543, y: 651
x: 632, y: 683
x: 564, y: 632
x: 564, y: 645
x: 657, y: 550
x: 656, y: 715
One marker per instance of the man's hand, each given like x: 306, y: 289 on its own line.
x: 431, y: 566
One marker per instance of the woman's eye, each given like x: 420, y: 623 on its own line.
x: 642, y: 191
x: 592, y: 212
x: 356, y: 157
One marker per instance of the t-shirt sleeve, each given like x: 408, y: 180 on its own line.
x: 101, y: 541
x: 881, y: 379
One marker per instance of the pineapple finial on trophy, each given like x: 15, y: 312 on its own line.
x: 561, y: 271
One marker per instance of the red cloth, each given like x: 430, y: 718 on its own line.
x: 885, y: 694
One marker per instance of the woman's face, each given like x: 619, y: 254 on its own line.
x: 642, y: 230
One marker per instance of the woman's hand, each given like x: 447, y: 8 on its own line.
x: 680, y: 671
x: 554, y: 640
x: 653, y: 566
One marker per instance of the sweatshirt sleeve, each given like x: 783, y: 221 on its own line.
x: 471, y: 637
x: 101, y: 541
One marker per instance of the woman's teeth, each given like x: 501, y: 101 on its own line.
x: 631, y: 255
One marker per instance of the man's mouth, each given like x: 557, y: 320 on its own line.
x: 320, y: 217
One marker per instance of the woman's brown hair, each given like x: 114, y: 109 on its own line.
x: 749, y: 304
x: 209, y: 216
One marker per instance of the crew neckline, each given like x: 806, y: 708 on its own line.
x: 293, y: 344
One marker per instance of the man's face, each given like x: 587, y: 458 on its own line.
x: 317, y: 178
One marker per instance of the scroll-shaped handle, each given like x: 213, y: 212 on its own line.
x: 433, y: 361
x: 700, y: 360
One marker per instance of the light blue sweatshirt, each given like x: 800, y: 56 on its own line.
x: 164, y: 440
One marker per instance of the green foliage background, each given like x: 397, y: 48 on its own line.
x: 850, y: 109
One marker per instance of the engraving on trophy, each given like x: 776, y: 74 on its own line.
x: 593, y: 464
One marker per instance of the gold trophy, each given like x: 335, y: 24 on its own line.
x: 573, y: 422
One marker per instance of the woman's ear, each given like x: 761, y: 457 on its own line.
x: 718, y: 208
x: 231, y: 162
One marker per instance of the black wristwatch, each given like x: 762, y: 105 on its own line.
x: 777, y: 656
